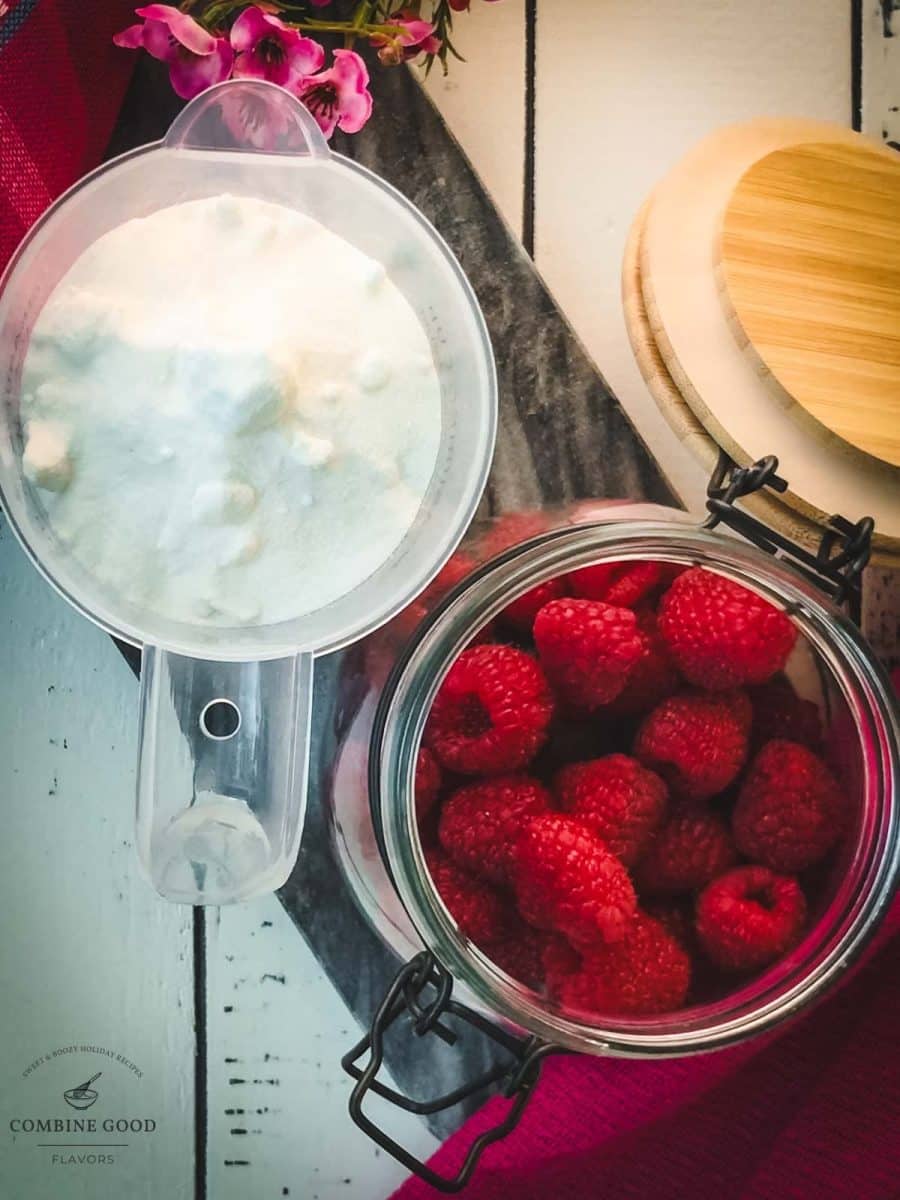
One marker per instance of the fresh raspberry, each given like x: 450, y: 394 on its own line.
x: 697, y: 741
x: 721, y: 635
x: 512, y: 528
x: 669, y: 572
x: 790, y: 811
x: 560, y: 959
x: 749, y: 917
x: 491, y: 713
x: 567, y: 880
x: 778, y: 712
x: 652, y: 678
x: 408, y: 619
x: 520, y: 953
x: 587, y: 649
x: 677, y: 918
x: 646, y: 972
x: 623, y: 584
x: 616, y: 798
x: 428, y: 782
x: 481, y: 824
x: 691, y: 847
x: 520, y: 613
x: 481, y: 913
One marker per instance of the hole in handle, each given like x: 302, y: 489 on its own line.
x: 220, y: 720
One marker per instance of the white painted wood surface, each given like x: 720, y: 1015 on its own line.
x: 482, y: 99
x: 881, y: 69
x: 88, y: 954
x: 622, y: 91
x: 278, y: 1123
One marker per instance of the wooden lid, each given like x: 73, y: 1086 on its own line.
x: 764, y: 505
x: 810, y: 258
x: 688, y: 314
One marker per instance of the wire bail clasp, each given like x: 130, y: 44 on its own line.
x: 408, y: 995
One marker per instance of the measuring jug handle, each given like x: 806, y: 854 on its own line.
x: 223, y: 765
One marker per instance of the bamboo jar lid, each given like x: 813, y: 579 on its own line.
x: 766, y: 506
x: 741, y: 407
x: 810, y: 258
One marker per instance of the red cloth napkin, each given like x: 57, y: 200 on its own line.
x: 812, y: 1113
x: 61, y: 84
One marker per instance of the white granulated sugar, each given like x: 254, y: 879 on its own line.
x: 231, y: 414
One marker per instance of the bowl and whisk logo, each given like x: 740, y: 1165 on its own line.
x: 84, y: 1095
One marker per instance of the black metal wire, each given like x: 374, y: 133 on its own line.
x: 520, y: 1072
x: 843, y: 552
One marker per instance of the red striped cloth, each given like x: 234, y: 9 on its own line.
x: 810, y: 1114
x: 61, y: 85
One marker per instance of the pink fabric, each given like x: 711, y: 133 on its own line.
x: 61, y: 84
x: 812, y: 1113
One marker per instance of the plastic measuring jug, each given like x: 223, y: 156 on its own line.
x: 225, y: 712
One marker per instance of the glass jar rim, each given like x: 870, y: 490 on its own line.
x: 871, y: 877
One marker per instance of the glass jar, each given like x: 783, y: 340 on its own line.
x: 389, y: 689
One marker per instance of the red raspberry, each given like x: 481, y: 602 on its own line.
x: 720, y: 634
x: 790, y: 811
x: 652, y: 678
x: 560, y: 959
x: 408, y: 619
x: 677, y: 918
x: 697, y: 741
x: 566, y: 879
x: 692, y: 847
x: 749, y: 917
x: 511, y: 529
x: 520, y: 953
x: 481, y: 824
x: 587, y: 649
x: 428, y: 783
x: 520, y: 613
x: 491, y: 713
x: 481, y: 913
x: 616, y: 798
x: 623, y: 584
x: 778, y: 712
x: 646, y: 972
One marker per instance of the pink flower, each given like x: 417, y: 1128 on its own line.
x: 340, y: 96
x: 417, y: 37
x: 253, y: 120
x: 266, y: 48
x: 196, y: 58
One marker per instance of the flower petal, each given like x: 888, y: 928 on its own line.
x: 355, y: 110
x: 305, y: 56
x: 182, y: 27
x: 250, y: 65
x: 191, y: 74
x: 414, y: 32
x: 131, y: 38
x: 349, y: 71
x: 159, y: 42
x: 250, y: 27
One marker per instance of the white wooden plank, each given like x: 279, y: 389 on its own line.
x: 483, y: 99
x: 88, y: 954
x: 622, y: 91
x: 278, y: 1121
x: 881, y: 70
